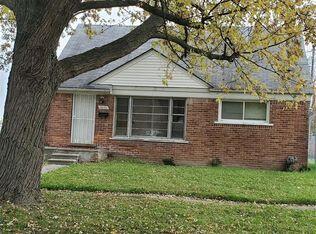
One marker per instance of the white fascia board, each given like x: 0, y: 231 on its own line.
x: 160, y: 92
x: 177, y: 92
x: 86, y: 91
x: 193, y: 93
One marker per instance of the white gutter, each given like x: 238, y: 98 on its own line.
x: 107, y: 90
x: 176, y: 92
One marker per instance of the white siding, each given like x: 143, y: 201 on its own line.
x: 83, y: 119
x: 149, y: 70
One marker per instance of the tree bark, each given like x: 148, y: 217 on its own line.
x: 30, y: 91
x: 21, y: 138
x: 34, y: 79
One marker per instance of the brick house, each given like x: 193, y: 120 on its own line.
x: 125, y: 109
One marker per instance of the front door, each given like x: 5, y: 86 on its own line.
x: 83, y: 118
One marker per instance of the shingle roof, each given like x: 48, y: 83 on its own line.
x: 80, y: 42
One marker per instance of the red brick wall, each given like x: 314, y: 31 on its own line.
x: 58, y: 126
x: 234, y: 145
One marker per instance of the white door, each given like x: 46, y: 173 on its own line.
x: 83, y: 119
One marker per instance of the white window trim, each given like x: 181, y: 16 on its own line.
x: 243, y: 122
x: 149, y: 138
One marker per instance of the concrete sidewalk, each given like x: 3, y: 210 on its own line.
x: 51, y: 167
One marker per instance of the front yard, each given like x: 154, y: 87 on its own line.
x: 233, y: 184
x: 85, y: 212
x: 80, y: 202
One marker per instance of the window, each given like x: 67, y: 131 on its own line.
x: 255, y: 111
x: 122, y: 106
x: 178, y: 118
x: 232, y: 110
x: 150, y: 117
x: 242, y: 111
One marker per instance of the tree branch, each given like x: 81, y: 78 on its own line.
x: 167, y: 15
x: 269, y: 46
x: 100, y: 56
x: 155, y: 10
x: 106, y: 4
x: 8, y: 3
x: 161, y: 11
x: 188, y: 47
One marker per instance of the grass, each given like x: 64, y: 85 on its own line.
x: 233, y: 184
x: 84, y: 212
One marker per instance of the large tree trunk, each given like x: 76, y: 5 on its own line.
x: 33, y: 82
x: 34, y: 79
x: 21, y: 138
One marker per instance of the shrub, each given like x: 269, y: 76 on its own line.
x: 304, y: 168
x: 169, y: 161
x: 290, y: 163
x: 216, y: 162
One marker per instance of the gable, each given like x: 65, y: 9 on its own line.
x: 149, y: 70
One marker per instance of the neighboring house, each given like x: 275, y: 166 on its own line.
x: 124, y: 108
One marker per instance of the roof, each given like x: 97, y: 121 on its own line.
x: 80, y: 42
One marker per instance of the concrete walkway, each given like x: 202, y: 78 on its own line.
x: 51, y: 167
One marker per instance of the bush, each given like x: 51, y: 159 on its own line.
x: 304, y: 168
x: 216, y: 162
x: 290, y: 163
x: 169, y: 161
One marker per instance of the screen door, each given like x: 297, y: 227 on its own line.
x: 83, y: 119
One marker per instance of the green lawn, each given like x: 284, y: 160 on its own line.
x: 205, y: 182
x: 84, y: 212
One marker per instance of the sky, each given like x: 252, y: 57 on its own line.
x: 3, y: 90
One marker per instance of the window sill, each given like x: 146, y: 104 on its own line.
x: 83, y: 145
x: 243, y: 123
x: 162, y: 140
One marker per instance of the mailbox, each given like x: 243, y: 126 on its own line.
x: 103, y: 111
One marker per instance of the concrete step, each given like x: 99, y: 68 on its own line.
x: 61, y: 161
x: 64, y: 156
